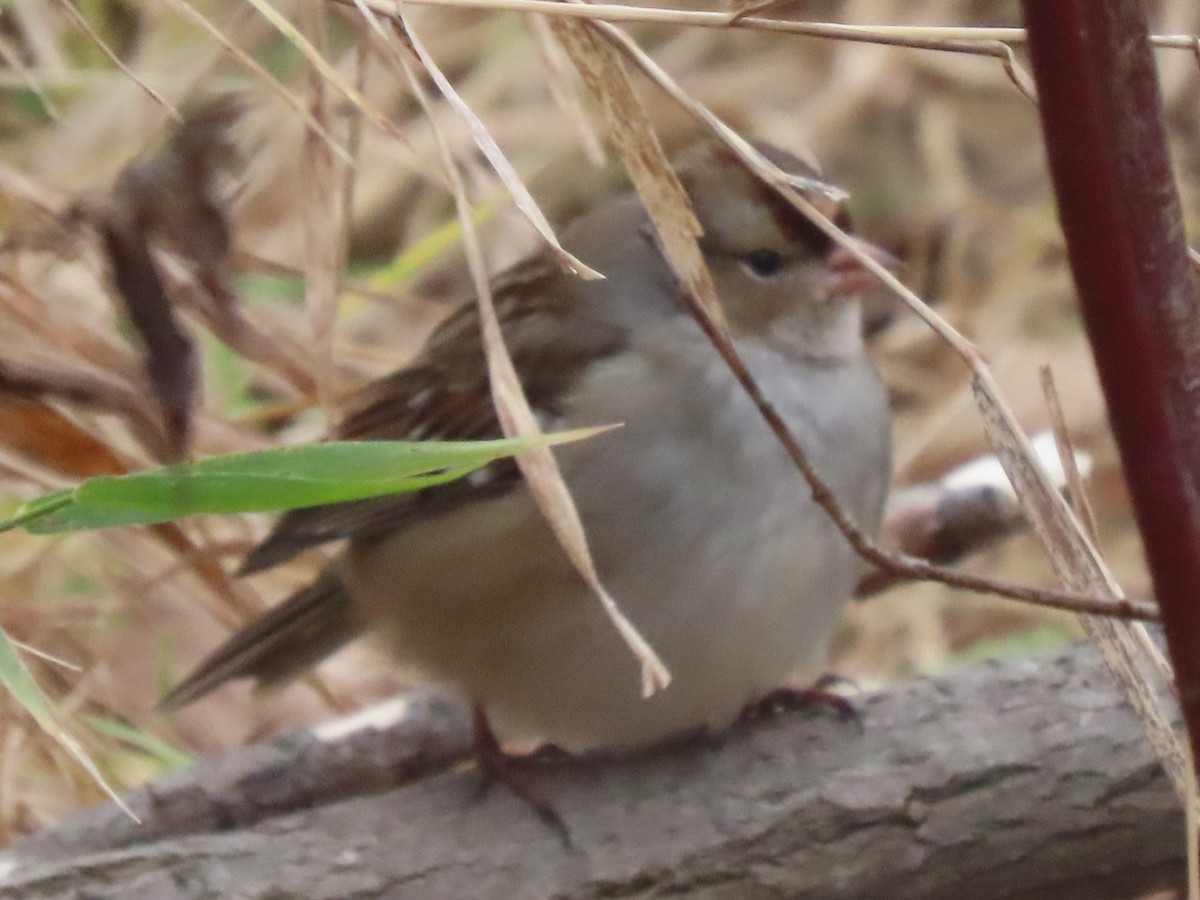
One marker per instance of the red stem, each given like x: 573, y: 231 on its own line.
x: 1100, y: 109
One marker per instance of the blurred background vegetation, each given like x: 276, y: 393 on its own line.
x: 941, y: 153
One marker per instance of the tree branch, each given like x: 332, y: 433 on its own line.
x: 1021, y: 780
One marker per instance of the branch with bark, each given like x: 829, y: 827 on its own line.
x: 1015, y: 780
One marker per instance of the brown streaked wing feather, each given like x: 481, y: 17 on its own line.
x: 445, y: 395
x: 298, y: 633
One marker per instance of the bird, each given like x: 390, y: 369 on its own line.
x: 699, y: 523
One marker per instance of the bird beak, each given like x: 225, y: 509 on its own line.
x: 849, y: 278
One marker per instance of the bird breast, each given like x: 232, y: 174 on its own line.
x: 701, y: 527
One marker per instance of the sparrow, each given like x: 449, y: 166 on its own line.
x: 699, y: 523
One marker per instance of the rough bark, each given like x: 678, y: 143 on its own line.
x: 1025, y: 780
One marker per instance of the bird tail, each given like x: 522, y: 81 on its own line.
x: 296, y: 634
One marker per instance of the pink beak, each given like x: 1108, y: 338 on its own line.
x: 848, y: 277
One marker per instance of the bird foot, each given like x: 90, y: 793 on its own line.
x: 515, y: 771
x: 818, y: 695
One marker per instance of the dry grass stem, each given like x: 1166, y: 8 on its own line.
x: 540, y: 469
x: 324, y: 219
x: 46, y: 657
x: 1075, y: 491
x: 349, y: 179
x: 499, y: 162
x: 21, y: 187
x: 1078, y: 564
x: 327, y: 70
x: 929, y: 37
x: 254, y: 67
x: 84, y: 25
x: 1136, y: 639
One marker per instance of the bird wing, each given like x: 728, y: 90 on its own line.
x: 444, y: 395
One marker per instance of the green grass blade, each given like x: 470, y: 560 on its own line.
x: 38, y: 508
x: 16, y: 677
x: 167, y: 755
x: 415, y: 260
x: 267, y: 481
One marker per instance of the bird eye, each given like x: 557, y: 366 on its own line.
x: 764, y: 263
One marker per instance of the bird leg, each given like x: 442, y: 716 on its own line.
x: 513, y: 771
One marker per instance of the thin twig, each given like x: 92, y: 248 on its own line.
x: 897, y: 566
x: 954, y: 38
x: 81, y: 20
x: 901, y: 566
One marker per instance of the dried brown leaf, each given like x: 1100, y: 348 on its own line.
x: 169, y: 195
x: 170, y: 356
x: 1138, y: 634
x: 1076, y: 495
x: 540, y: 469
x: 632, y: 133
x: 1079, y: 566
x: 94, y: 390
x: 561, y: 81
x: 46, y: 435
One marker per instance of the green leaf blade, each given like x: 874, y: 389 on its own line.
x: 268, y: 481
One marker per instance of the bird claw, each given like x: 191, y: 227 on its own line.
x: 515, y: 771
x: 818, y: 696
